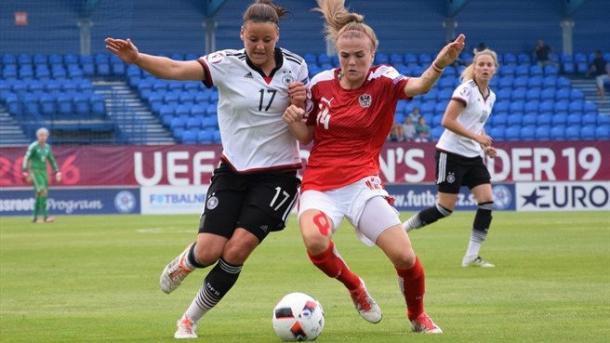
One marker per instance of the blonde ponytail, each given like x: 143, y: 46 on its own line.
x: 340, y: 21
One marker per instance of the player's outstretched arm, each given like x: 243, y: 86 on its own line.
x: 447, y: 55
x: 159, y: 66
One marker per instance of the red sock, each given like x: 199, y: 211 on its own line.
x: 413, y: 286
x: 332, y: 265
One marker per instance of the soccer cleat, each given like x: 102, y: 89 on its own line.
x: 468, y: 261
x: 365, y: 304
x: 39, y: 221
x: 175, y: 272
x: 185, y: 328
x: 49, y: 219
x: 424, y: 324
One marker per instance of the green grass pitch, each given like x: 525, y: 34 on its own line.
x: 95, y: 279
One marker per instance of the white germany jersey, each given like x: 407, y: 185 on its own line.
x: 250, y: 107
x: 473, y: 118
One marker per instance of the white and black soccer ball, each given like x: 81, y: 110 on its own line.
x: 298, y: 317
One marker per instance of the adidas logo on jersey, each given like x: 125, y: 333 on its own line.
x: 249, y: 75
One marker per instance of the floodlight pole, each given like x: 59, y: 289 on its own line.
x: 567, y: 26
x: 210, y: 35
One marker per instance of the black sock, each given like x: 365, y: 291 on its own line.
x: 191, y: 258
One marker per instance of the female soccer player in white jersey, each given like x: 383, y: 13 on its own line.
x: 349, y: 116
x: 458, y: 156
x: 256, y: 185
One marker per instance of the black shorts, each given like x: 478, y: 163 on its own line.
x: 257, y: 202
x: 454, y: 171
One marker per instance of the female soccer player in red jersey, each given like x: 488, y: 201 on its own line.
x: 349, y: 116
x: 254, y: 189
x: 458, y: 155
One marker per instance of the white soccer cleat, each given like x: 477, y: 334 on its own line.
x: 185, y: 329
x: 477, y: 261
x: 365, y: 304
x: 424, y: 324
x: 175, y: 272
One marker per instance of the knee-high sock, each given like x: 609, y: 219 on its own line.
x: 37, y: 204
x: 331, y: 263
x: 480, y: 228
x: 412, y: 283
x: 216, y: 285
x: 426, y: 216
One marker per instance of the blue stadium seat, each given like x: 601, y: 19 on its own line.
x: 536, y: 70
x: 563, y: 82
x: 602, y: 132
x: 518, y: 94
x: 535, y: 81
x: 424, y: 58
x: 548, y: 94
x: 189, y: 136
x: 436, y: 120
x: 205, y: 137
x: 544, y: 119
x: 514, y: 119
x: 497, y: 133
x: 177, y: 123
x: 310, y: 58
x: 531, y: 106
x: 557, y: 133
x: 533, y: 94
x: 543, y: 133
x: 409, y: 58
x: 603, y: 119
x: 528, y: 133
x: 551, y: 70
x: 568, y: 67
x: 509, y: 58
x: 576, y: 94
x: 182, y: 110
x: 573, y: 120
x: 503, y: 93
x: 26, y: 72
x: 211, y: 110
x: 440, y: 107
x: 498, y: 119
x: 381, y: 58
x: 512, y: 133
x: 563, y: 94
x: 447, y: 82
x: 64, y: 105
x: 55, y: 59
x: 216, y: 136
x: 214, y: 96
x: 528, y: 119
x: 589, y: 119
x: 506, y: 81
x: 70, y: 59
x: 520, y: 81
x: 437, y: 132
x: 522, y: 70
x: 588, y: 133
x: 82, y: 106
x: 194, y: 123
x: 517, y: 106
x: 507, y: 70
x: 550, y: 81
x: 9, y: 59
x: 523, y: 58
x: 590, y: 107
x: 24, y: 59
x: 582, y: 68
x: 431, y: 95
x: 576, y: 107
x: 98, y: 106
x: 561, y: 106
x: 396, y: 58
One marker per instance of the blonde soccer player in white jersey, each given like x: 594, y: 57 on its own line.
x: 255, y: 187
x: 459, y: 153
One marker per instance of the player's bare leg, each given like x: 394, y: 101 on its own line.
x: 411, y: 279
x: 443, y: 208
x: 205, y: 252
x: 480, y: 227
x: 316, y: 230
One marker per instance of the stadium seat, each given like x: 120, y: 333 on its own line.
x: 509, y: 58
x: 216, y: 136
x: 64, y: 105
x: 536, y: 70
x: 589, y: 119
x: 514, y: 119
x: 573, y: 120
x: 81, y: 105
x: 582, y: 68
x: 189, y: 136
x: 549, y: 81
x: 507, y: 71
x: 205, y: 137
x: 520, y: 81
x: 590, y: 107
x: 576, y: 94
x: 528, y: 119
x: 544, y: 119
x: 506, y: 81
x: 561, y: 106
x: 522, y: 70
x: 557, y: 133
x: 211, y: 110
x: 568, y: 68
x: 533, y: 94
x: 528, y: 133
x: 602, y: 132
x: 548, y: 93
x: 517, y: 106
x: 512, y: 133
x: 576, y: 107
x: 436, y: 132
x: 551, y: 70
x: 518, y: 94
x: 531, y: 107
x: 588, y: 133
x: 194, y: 123
x: 396, y: 59
x: 563, y: 94
x: 424, y: 58
x: 535, y: 81
x: 543, y: 133
x: 563, y: 82
x: 497, y: 133
x: 603, y: 119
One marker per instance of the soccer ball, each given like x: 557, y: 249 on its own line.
x: 298, y: 317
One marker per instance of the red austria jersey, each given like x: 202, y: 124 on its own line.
x: 351, y: 126
x: 250, y: 107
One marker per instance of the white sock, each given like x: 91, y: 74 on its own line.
x: 473, y: 249
x: 195, y: 310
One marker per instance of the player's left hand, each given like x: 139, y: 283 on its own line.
x: 450, y: 52
x: 298, y: 93
x: 58, y: 177
x: 491, y: 151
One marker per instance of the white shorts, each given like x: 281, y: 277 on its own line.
x: 351, y: 201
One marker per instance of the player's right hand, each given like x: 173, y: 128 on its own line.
x: 124, y: 49
x: 293, y: 114
x: 484, y: 140
x: 26, y: 176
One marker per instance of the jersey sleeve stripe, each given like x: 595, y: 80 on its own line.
x: 208, y: 82
x: 460, y: 100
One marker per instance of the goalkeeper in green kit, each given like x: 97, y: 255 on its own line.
x: 35, y: 170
